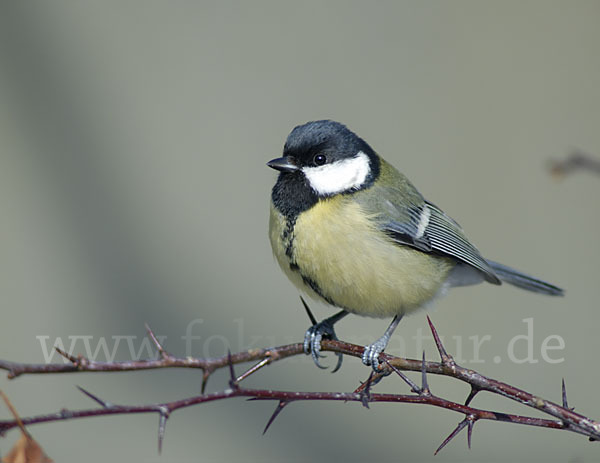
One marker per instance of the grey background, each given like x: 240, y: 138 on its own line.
x: 133, y: 188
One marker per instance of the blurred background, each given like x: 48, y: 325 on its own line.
x: 133, y: 189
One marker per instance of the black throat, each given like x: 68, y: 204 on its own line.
x: 292, y: 195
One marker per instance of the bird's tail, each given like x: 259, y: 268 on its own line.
x: 516, y: 278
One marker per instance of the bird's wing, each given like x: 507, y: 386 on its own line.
x: 410, y: 220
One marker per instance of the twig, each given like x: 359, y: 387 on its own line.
x: 577, y: 160
x: 564, y: 417
x: 281, y: 396
x: 82, y: 364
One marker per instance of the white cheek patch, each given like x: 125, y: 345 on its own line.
x: 338, y: 176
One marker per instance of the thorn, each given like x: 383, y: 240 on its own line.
x: 452, y: 435
x: 413, y: 386
x: 365, y: 394
x: 161, y: 351
x: 205, y: 375
x: 282, y: 403
x: 232, y: 381
x: 424, y: 386
x: 474, y: 391
x: 446, y: 358
x: 71, y: 358
x: 253, y: 368
x: 564, y: 396
x: 162, y: 423
x: 103, y: 403
x: 256, y: 399
x: 312, y: 318
x: 470, y: 425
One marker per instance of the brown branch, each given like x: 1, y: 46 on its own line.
x: 164, y: 409
x: 207, y: 365
x: 577, y: 160
x: 284, y: 398
x: 564, y: 417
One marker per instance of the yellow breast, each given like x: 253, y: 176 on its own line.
x: 337, y: 249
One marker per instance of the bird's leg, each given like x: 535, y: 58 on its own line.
x: 313, y: 336
x: 372, y: 351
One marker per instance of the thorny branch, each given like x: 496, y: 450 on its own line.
x: 577, y: 160
x: 563, y: 416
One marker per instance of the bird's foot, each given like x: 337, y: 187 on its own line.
x: 372, y: 351
x: 312, y: 341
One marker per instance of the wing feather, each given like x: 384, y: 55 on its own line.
x: 442, y: 235
x: 404, y: 215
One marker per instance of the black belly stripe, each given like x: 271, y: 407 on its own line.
x: 288, y: 235
x: 315, y: 287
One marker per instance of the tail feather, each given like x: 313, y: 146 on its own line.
x: 521, y: 280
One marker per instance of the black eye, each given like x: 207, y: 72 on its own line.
x: 320, y: 159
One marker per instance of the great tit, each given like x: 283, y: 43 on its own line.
x: 349, y: 229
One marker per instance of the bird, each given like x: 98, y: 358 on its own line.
x: 349, y: 229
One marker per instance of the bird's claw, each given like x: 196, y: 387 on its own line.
x: 312, y: 342
x: 371, y: 353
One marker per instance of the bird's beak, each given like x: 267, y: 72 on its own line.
x: 282, y: 164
